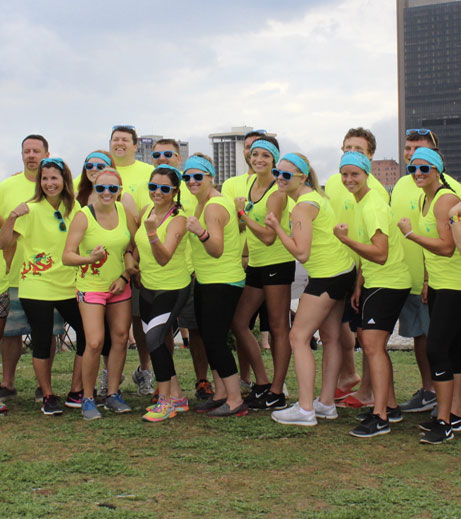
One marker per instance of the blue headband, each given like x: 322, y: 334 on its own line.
x: 56, y: 161
x: 301, y: 164
x: 167, y: 166
x: 98, y: 155
x: 201, y: 163
x: 266, y: 145
x: 430, y: 156
x: 354, y: 158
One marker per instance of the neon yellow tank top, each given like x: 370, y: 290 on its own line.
x: 99, y: 276
x: 443, y: 272
x: 172, y: 276
x: 227, y: 268
x: 260, y: 254
x: 328, y: 256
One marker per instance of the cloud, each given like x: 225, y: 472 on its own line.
x: 307, y: 72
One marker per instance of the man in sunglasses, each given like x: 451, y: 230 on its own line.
x: 414, y: 317
x: 14, y: 190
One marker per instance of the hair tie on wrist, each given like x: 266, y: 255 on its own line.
x: 407, y: 234
x: 154, y: 240
x: 124, y: 278
x: 203, y: 233
x: 241, y: 213
x: 203, y: 240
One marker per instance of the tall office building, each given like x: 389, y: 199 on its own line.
x: 228, y: 157
x: 146, y: 142
x: 429, y: 65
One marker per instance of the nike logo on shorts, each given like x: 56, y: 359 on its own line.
x: 439, y: 374
x: 272, y: 275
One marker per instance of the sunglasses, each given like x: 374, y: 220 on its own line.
x: 249, y: 206
x: 112, y: 188
x: 167, y: 154
x: 198, y: 177
x: 98, y: 165
x: 62, y: 225
x: 259, y: 132
x: 286, y: 175
x: 164, y: 188
x: 421, y: 131
x: 425, y: 169
x: 126, y: 126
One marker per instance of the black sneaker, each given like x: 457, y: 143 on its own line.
x: 373, y: 425
x: 455, y: 422
x: 203, y: 390
x: 394, y: 415
x: 74, y: 400
x: 440, y: 432
x: 257, y: 392
x: 6, y: 394
x: 268, y: 400
x: 51, y: 405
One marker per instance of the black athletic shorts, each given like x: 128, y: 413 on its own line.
x: 277, y: 274
x: 337, y: 287
x: 380, y: 307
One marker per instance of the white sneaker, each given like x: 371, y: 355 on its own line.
x: 325, y: 411
x: 294, y: 416
x: 143, y: 379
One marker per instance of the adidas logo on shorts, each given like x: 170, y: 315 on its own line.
x: 371, y: 321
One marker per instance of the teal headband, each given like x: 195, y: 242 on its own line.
x: 201, y: 163
x: 56, y: 161
x: 167, y: 166
x: 354, y: 158
x: 301, y: 164
x: 430, y: 156
x: 98, y: 155
x: 266, y: 145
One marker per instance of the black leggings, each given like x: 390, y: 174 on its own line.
x: 444, y: 336
x: 40, y: 316
x: 159, y: 310
x: 215, y: 305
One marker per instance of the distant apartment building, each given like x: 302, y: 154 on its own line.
x: 387, y: 171
x: 228, y: 152
x: 429, y: 66
x: 146, y: 142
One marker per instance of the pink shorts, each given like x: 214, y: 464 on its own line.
x: 104, y: 298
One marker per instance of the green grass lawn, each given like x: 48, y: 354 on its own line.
x: 194, y: 466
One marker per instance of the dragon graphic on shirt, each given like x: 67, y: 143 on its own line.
x: 39, y: 263
x: 94, y: 267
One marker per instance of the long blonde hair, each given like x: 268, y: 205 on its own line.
x: 312, y: 177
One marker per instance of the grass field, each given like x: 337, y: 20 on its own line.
x: 193, y: 466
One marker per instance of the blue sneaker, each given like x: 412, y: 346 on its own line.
x: 89, y: 409
x: 116, y: 403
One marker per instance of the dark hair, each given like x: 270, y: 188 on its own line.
x: 67, y: 194
x: 37, y: 138
x: 270, y: 139
x: 165, y: 170
x: 442, y: 176
x: 168, y: 142
x: 85, y: 187
x: 366, y: 134
x: 253, y: 134
x: 125, y: 129
x: 415, y: 136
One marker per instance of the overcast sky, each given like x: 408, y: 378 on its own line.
x: 307, y: 70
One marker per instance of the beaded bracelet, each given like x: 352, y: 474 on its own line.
x: 453, y: 219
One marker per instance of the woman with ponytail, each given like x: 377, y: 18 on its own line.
x: 216, y: 257
x: 441, y: 289
x: 165, y: 283
x: 331, y: 278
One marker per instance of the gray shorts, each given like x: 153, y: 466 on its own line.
x: 414, y: 317
x: 186, y: 318
x: 17, y: 323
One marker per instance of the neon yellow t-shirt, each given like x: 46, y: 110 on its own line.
x: 260, y: 254
x: 228, y: 267
x: 405, y: 204
x: 99, y: 276
x: 343, y: 203
x: 373, y: 214
x: 134, y: 174
x: 328, y: 256
x: 13, y: 191
x: 443, y: 272
x: 173, y: 275
x: 43, y: 275
x: 3, y: 275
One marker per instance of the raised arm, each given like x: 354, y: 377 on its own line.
x: 70, y: 256
x: 375, y: 251
x: 216, y: 218
x: 175, y: 231
x: 8, y: 235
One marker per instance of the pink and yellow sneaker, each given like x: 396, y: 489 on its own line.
x: 162, y: 410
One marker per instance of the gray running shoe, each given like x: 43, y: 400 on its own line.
x: 117, y: 404
x: 224, y: 410
x: 325, y: 411
x: 143, y: 380
x: 293, y: 416
x: 89, y: 409
x: 421, y: 401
